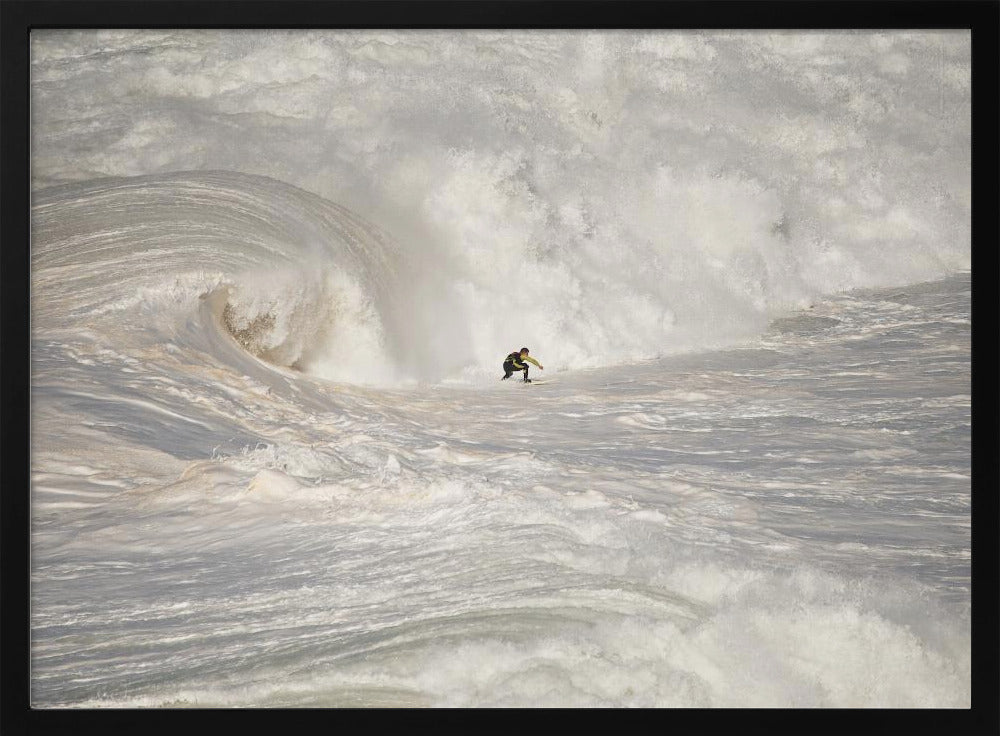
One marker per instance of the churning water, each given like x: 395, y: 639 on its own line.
x: 274, y: 276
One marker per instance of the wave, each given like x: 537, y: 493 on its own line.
x: 600, y: 197
x: 293, y: 279
x: 218, y: 217
x: 305, y: 284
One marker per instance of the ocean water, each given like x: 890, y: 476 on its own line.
x: 273, y: 278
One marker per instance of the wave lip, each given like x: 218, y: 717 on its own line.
x: 295, y: 280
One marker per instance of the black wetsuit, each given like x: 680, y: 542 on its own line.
x: 514, y: 363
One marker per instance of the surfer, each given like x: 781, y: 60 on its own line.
x: 518, y: 361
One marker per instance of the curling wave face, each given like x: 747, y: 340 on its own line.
x: 290, y: 277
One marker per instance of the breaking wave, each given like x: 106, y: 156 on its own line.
x: 603, y: 198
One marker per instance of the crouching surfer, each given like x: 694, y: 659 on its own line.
x: 518, y: 361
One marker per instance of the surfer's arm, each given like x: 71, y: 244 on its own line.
x: 532, y: 360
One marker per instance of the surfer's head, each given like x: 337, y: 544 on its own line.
x: 524, y: 351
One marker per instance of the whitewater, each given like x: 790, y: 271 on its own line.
x: 273, y: 279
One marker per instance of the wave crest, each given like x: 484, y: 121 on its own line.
x: 293, y: 279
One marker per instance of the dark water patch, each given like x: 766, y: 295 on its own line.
x: 184, y: 437
x: 804, y: 324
